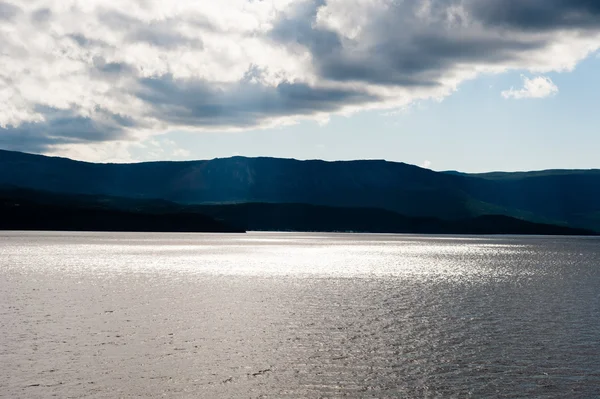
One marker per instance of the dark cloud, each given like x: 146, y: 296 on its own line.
x: 8, y: 11
x: 399, y: 47
x: 64, y: 127
x: 42, y: 15
x: 298, y: 27
x: 420, y: 62
x: 200, y: 103
x: 85, y: 42
x: 114, y: 68
x: 537, y: 14
x: 111, y: 68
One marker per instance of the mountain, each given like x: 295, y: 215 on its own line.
x: 398, y: 187
x: 569, y: 198
x: 25, y: 209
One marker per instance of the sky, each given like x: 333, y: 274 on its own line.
x: 469, y: 85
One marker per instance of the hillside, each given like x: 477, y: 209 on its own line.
x: 569, y: 198
x: 17, y: 212
x: 25, y: 209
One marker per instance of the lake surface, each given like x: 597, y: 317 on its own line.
x: 106, y: 315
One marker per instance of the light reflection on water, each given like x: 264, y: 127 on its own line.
x: 298, y: 315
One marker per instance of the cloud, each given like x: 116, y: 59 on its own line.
x: 64, y: 127
x: 538, y: 87
x: 240, y: 104
x: 8, y: 11
x: 537, y: 15
x: 125, y: 71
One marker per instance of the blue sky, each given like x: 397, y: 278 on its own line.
x: 475, y: 130
x: 467, y: 85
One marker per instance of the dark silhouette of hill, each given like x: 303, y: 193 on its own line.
x: 302, y: 217
x: 18, y: 212
x: 570, y: 198
x: 25, y: 209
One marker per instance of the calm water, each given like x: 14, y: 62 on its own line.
x: 298, y: 315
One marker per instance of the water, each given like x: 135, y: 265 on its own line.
x: 280, y: 315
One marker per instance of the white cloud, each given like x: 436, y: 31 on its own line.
x: 426, y: 164
x: 538, y: 87
x: 125, y: 71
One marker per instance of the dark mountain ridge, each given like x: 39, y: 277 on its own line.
x: 570, y: 198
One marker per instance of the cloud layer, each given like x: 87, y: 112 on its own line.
x: 106, y: 71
